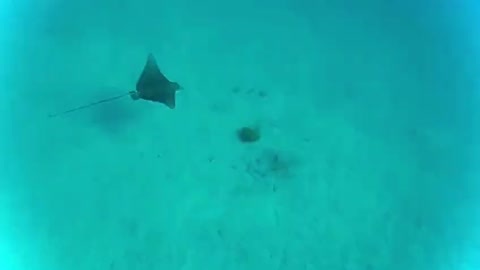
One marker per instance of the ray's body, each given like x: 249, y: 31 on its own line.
x: 152, y: 85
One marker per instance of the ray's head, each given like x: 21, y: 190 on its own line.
x: 175, y: 86
x: 170, y: 102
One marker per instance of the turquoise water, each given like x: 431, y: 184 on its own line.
x: 368, y: 116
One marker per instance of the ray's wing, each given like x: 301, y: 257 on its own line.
x: 151, y: 77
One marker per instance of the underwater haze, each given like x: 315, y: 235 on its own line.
x: 309, y: 135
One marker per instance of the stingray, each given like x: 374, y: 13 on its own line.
x: 152, y: 86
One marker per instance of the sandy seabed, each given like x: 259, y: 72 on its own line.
x: 367, y: 119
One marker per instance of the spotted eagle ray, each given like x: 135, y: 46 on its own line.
x: 152, y: 85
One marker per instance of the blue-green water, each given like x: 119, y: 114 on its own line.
x: 368, y: 115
